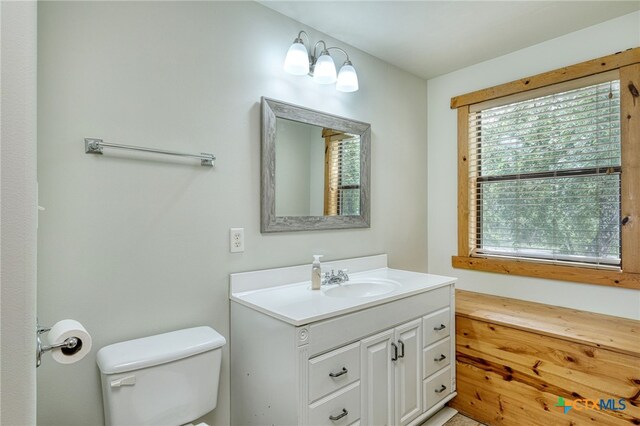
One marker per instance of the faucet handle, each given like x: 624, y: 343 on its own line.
x: 343, y: 273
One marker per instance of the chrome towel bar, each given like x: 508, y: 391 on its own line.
x: 96, y: 146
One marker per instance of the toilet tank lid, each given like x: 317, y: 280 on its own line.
x: 159, y: 349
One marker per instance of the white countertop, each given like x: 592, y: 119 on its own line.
x: 297, y: 304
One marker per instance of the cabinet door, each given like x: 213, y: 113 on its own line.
x: 377, y: 380
x: 408, y: 337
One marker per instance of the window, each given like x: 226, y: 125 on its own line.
x: 342, y: 173
x: 549, y: 174
x: 545, y: 177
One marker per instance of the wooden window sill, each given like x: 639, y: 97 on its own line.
x: 552, y: 272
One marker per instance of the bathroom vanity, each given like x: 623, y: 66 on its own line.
x: 376, y: 350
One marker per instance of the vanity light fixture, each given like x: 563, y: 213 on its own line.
x: 321, y: 67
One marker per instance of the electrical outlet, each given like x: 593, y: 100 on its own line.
x: 236, y: 240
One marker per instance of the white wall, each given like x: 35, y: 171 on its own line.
x: 19, y: 213
x: 293, y: 174
x: 132, y: 245
x: 603, y: 39
x: 300, y: 169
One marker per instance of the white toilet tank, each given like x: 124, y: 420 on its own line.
x: 167, y: 379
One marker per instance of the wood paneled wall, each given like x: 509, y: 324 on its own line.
x: 515, y: 359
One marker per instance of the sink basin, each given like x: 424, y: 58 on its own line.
x: 363, y: 288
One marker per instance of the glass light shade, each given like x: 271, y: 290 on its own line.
x: 297, y: 60
x: 347, y: 79
x: 325, y: 70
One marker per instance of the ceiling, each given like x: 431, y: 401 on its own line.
x: 430, y: 38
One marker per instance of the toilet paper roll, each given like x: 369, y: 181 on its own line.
x: 63, y: 330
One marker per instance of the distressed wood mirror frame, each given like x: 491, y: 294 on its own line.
x: 269, y: 222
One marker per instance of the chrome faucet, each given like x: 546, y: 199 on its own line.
x: 332, y: 278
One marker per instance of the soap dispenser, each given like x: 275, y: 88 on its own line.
x: 316, y: 274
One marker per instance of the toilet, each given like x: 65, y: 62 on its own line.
x: 168, y: 379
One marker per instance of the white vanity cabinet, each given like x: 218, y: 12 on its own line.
x: 408, y: 366
x: 392, y: 375
x: 387, y: 363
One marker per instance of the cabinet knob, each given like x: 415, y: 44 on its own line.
x: 339, y: 416
x: 339, y: 373
x: 441, y: 327
x: 442, y: 357
x: 401, y: 343
x: 395, y: 352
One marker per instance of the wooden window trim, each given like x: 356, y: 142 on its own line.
x: 630, y: 186
x: 628, y: 65
x: 552, y: 272
x: 330, y: 193
x: 572, y: 72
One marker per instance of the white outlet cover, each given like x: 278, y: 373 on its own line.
x: 236, y: 240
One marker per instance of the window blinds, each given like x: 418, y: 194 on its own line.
x: 544, y: 177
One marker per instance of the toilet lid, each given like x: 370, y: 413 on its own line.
x: 159, y: 349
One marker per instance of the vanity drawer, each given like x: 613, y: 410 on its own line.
x: 333, y: 370
x: 341, y: 408
x: 337, y: 331
x: 436, y: 326
x: 435, y: 388
x: 436, y: 357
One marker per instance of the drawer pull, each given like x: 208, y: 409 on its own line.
x: 401, y: 343
x: 339, y: 373
x: 395, y: 352
x: 339, y: 416
x: 442, y: 389
x: 442, y: 327
x: 441, y: 358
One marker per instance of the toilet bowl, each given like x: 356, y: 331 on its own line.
x: 166, y: 379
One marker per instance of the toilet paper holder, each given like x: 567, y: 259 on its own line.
x: 70, y: 345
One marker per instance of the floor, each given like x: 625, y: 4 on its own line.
x: 460, y: 420
x: 447, y: 416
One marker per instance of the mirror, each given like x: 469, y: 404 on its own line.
x: 315, y: 170
x: 318, y: 170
